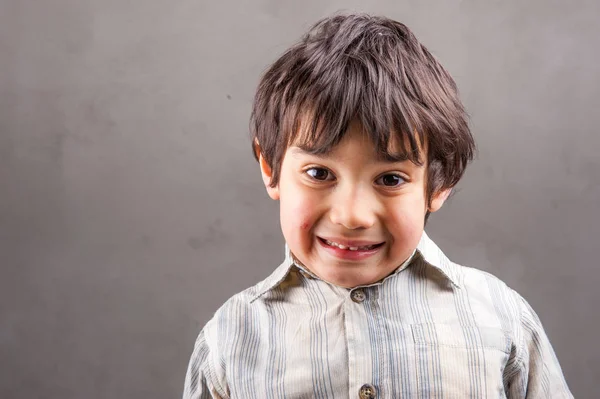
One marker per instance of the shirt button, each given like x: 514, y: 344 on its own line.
x: 358, y: 296
x: 367, y: 391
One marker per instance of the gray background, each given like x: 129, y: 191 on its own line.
x: 131, y: 206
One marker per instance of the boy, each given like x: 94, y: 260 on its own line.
x: 360, y: 135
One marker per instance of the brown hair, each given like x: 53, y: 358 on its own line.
x: 373, y: 70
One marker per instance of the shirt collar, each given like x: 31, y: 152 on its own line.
x: 428, y: 250
x: 434, y: 256
x: 276, y: 277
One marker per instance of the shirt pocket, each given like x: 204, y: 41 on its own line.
x: 460, y: 361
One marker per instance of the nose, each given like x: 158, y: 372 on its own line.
x: 353, y: 208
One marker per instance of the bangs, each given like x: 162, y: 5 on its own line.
x: 354, y: 96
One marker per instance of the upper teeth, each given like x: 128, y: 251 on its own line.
x: 340, y: 246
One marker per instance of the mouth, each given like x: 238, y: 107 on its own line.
x: 351, y: 246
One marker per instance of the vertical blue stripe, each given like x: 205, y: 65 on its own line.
x: 397, y: 295
x: 318, y: 340
x: 474, y: 343
x: 414, y: 283
x: 277, y: 319
x: 249, y: 352
x: 326, y: 343
x: 430, y: 322
x: 375, y: 337
x: 391, y: 332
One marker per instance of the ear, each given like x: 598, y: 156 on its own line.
x: 438, y: 199
x: 267, y: 174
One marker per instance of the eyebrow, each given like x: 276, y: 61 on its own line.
x: 382, y: 157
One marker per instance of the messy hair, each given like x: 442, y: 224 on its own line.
x: 368, y: 69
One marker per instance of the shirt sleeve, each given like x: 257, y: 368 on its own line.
x: 534, y: 372
x: 199, y: 379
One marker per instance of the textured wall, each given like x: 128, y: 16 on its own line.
x: 131, y: 206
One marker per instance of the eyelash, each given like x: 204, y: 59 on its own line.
x: 331, y: 174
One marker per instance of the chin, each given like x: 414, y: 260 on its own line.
x: 341, y: 279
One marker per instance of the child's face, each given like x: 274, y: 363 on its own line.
x: 350, y: 197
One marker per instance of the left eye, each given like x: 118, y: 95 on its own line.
x: 390, y: 180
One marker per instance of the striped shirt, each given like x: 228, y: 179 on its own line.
x: 431, y: 329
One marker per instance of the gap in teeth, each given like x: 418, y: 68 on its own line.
x: 340, y: 246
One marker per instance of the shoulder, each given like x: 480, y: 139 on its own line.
x: 233, y: 310
x: 484, y: 287
x: 473, y: 278
x: 243, y: 311
x: 223, y: 339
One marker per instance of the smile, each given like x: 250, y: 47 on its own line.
x: 350, y: 250
x: 340, y: 246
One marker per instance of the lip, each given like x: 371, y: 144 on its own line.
x: 347, y: 254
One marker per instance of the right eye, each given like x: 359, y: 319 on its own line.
x: 320, y: 174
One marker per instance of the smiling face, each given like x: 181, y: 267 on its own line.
x: 348, y: 216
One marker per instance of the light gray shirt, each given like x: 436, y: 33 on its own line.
x: 431, y: 329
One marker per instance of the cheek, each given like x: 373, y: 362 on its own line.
x: 406, y: 220
x: 405, y: 224
x: 299, y: 213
